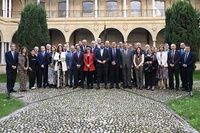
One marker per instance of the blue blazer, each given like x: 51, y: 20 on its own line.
x: 106, y: 56
x: 189, y: 62
x: 117, y: 56
x: 42, y: 60
x: 10, y: 61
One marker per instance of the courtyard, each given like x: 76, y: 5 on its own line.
x: 85, y: 111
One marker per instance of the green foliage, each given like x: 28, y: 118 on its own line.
x: 32, y: 28
x: 8, y: 106
x: 188, y: 108
x: 182, y: 25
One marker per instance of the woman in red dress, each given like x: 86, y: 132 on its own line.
x: 89, y: 67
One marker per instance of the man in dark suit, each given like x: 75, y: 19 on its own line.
x: 102, y: 58
x: 188, y: 61
x: 78, y: 67
x: 70, y: 67
x: 94, y: 49
x: 43, y: 67
x: 83, y: 47
x: 173, y: 66
x: 182, y: 52
x: 126, y: 65
x: 115, y: 56
x: 11, y: 58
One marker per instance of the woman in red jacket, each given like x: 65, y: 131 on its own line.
x: 89, y: 67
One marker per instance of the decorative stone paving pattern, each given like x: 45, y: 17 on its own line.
x: 94, y: 111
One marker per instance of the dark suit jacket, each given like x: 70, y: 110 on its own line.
x: 105, y: 56
x: 77, y: 60
x: 10, y: 61
x: 189, y: 62
x: 42, y: 60
x: 176, y: 58
x: 84, y: 50
x: 117, y: 56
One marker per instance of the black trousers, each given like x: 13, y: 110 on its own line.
x: 43, y: 75
x: 78, y: 74
x: 150, y: 78
x: 120, y: 75
x: 71, y: 73
x: 11, y: 78
x: 32, y: 77
x: 102, y: 70
x: 134, y: 77
x: 172, y: 72
x: 187, y: 79
x: 89, y: 77
x: 37, y: 75
x: 114, y: 74
x: 66, y: 77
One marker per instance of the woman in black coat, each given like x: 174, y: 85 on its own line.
x: 150, y: 66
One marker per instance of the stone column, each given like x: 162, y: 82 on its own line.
x: 2, y: 53
x: 67, y: 8
x: 10, y: 8
x: 124, y: 8
x: 3, y: 8
x: 6, y: 8
x: 153, y: 8
x: 96, y: 9
x: 154, y: 43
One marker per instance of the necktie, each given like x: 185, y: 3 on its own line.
x: 78, y: 54
x: 173, y: 56
x: 13, y: 54
x: 186, y: 56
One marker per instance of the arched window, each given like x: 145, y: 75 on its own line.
x: 87, y: 9
x: 135, y: 8
x: 87, y: 6
x: 62, y: 9
x: 111, y: 8
x: 160, y: 8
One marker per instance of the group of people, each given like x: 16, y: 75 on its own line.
x: 101, y: 62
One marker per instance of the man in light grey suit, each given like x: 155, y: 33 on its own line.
x: 126, y: 64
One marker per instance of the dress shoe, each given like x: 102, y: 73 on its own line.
x: 8, y: 96
x: 106, y: 87
x: 88, y: 87
x: 13, y: 91
x: 74, y: 87
x: 39, y: 86
x: 23, y: 90
x: 98, y: 88
x: 44, y: 86
x: 70, y: 86
x: 91, y: 87
x: 111, y: 87
x: 130, y: 87
x: 124, y: 86
x: 118, y: 87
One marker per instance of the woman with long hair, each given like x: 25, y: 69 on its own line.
x: 138, y: 61
x: 162, y: 71
x: 51, y: 65
x: 23, y: 65
x: 60, y: 66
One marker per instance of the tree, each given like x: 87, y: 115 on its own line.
x: 182, y: 25
x: 32, y: 30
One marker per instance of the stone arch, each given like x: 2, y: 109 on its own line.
x: 80, y: 34
x: 113, y: 35
x: 141, y: 35
x: 130, y: 29
x: 112, y: 27
x: 70, y: 31
x: 59, y: 29
x: 160, y: 37
x: 56, y: 36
